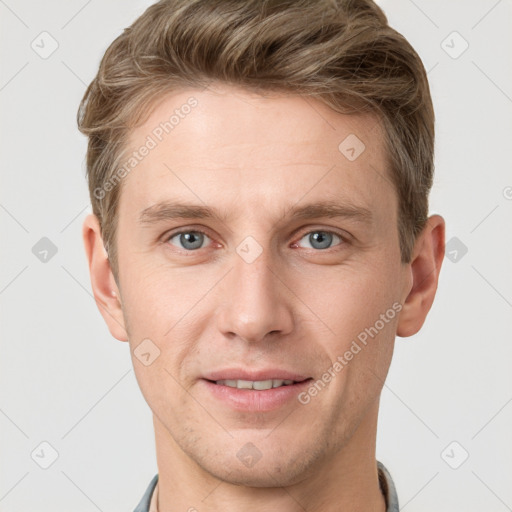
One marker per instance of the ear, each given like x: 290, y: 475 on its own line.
x: 104, y: 287
x: 428, y: 255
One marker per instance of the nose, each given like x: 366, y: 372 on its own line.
x: 256, y: 304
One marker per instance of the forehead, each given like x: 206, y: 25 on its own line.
x: 230, y: 144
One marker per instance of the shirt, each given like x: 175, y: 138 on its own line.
x: 149, y: 500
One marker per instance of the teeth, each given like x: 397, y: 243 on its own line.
x: 244, y: 384
x: 263, y: 384
x: 259, y: 385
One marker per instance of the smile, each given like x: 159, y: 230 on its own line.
x: 260, y: 385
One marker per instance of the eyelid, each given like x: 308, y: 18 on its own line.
x: 166, y: 238
x: 344, y: 235
x: 344, y: 239
x: 187, y: 229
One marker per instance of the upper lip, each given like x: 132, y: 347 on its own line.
x: 254, y: 375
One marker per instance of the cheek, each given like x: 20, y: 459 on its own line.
x: 346, y: 300
x: 155, y: 296
x: 358, y: 308
x: 161, y: 308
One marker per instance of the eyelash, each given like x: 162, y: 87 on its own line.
x: 343, y: 238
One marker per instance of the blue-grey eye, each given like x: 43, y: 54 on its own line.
x: 189, y: 240
x: 321, y: 239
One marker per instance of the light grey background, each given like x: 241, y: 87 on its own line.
x: 65, y: 381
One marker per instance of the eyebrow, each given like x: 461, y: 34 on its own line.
x: 177, y: 210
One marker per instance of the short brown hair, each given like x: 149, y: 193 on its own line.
x: 342, y: 52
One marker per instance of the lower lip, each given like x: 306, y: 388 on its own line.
x: 254, y: 400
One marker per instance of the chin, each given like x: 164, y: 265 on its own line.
x: 265, y: 476
x: 271, y: 466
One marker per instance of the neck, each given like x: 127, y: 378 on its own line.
x: 346, y: 480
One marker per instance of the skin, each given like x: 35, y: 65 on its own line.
x: 296, y: 306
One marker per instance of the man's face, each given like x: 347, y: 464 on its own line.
x: 272, y: 290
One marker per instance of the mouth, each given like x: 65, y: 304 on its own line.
x: 264, y: 392
x: 258, y: 385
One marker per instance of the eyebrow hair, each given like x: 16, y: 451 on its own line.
x: 332, y: 209
x: 177, y: 210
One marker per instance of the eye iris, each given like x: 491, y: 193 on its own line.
x: 193, y: 239
x: 321, y: 238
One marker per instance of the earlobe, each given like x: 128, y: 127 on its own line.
x: 104, y: 287
x: 425, y: 267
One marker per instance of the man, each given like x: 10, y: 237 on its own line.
x: 259, y: 174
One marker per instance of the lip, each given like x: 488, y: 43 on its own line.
x: 251, y: 400
x: 267, y: 374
